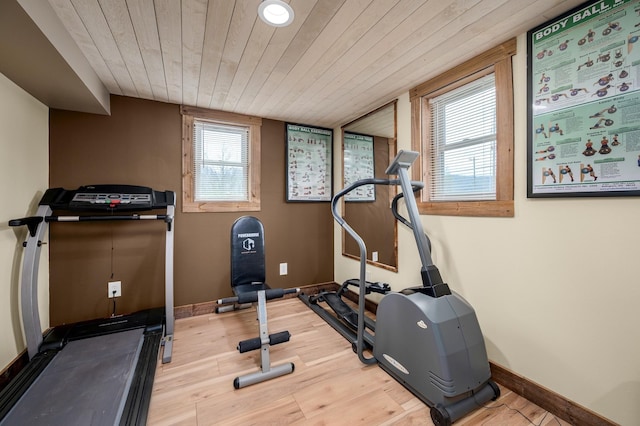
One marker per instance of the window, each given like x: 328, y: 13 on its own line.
x: 462, y: 123
x: 463, y: 142
x: 221, y: 161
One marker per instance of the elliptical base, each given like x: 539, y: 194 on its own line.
x: 444, y: 414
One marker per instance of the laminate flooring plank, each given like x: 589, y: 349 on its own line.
x: 329, y: 385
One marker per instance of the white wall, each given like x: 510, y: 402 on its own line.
x: 24, y: 175
x: 556, y: 288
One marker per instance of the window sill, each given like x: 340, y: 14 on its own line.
x: 468, y: 208
x: 219, y: 207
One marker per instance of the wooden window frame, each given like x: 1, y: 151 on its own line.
x: 191, y: 114
x: 497, y: 61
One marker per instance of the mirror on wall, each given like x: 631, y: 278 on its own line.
x: 369, y: 145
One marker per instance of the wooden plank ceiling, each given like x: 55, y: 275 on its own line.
x: 338, y: 60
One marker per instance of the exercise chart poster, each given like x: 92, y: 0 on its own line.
x: 358, y: 164
x: 309, y: 163
x: 584, y: 102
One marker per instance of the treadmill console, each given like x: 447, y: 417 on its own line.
x: 107, y: 197
x: 82, y: 198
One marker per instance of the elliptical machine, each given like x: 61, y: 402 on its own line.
x: 426, y: 337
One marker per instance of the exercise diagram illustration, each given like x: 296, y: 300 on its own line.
x: 585, y: 100
x: 308, y: 169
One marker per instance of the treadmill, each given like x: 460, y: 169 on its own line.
x: 97, y: 372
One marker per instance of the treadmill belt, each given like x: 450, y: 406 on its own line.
x: 85, y: 384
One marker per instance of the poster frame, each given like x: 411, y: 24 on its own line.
x: 360, y: 170
x: 314, y: 188
x: 585, y: 184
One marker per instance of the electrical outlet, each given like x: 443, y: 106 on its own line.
x: 283, y: 269
x: 374, y: 256
x: 115, y: 289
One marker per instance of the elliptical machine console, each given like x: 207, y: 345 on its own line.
x: 427, y: 337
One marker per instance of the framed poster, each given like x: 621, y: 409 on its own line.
x: 358, y: 164
x: 309, y: 163
x: 584, y: 102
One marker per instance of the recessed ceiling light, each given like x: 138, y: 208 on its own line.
x: 276, y: 13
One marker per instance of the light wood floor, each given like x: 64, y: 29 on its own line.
x: 328, y: 387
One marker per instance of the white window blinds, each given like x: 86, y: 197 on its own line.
x: 221, y: 162
x: 463, y: 142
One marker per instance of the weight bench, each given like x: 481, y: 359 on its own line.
x: 248, y: 275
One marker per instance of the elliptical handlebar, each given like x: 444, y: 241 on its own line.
x: 430, y: 275
x: 416, y: 186
x: 354, y: 185
x: 359, y: 344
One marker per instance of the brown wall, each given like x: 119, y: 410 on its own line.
x: 140, y: 144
